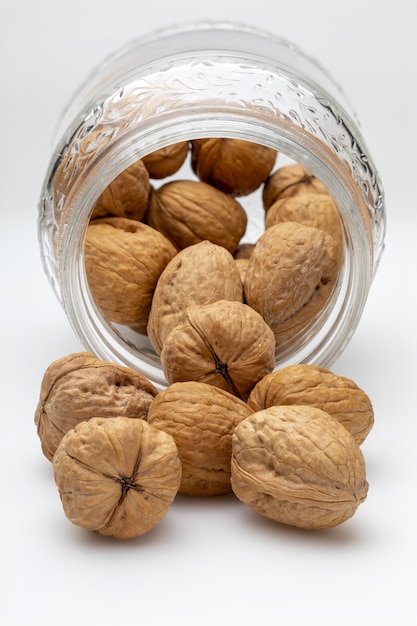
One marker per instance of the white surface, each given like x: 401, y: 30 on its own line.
x: 210, y: 561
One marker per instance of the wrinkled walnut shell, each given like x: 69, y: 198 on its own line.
x: 80, y: 386
x: 311, y: 209
x: 188, y: 211
x: 126, y: 196
x: 225, y: 344
x: 201, y: 419
x: 199, y: 274
x: 117, y: 476
x: 288, y: 181
x: 318, y: 387
x: 291, y: 276
x: 299, y: 466
x: 234, y: 166
x: 123, y: 261
x: 166, y: 161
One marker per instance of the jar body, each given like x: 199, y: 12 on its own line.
x: 208, y: 80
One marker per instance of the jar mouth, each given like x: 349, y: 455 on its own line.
x: 210, y: 94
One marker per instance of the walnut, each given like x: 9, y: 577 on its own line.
x: 188, y: 211
x: 123, y: 261
x: 226, y: 344
x: 244, y: 250
x: 318, y: 387
x: 234, y: 166
x: 201, y: 419
x: 299, y: 466
x: 117, y: 476
x: 290, y: 277
x: 126, y: 196
x: 166, y: 161
x: 242, y: 266
x: 80, y: 386
x: 199, y: 274
x: 312, y: 209
x: 290, y: 180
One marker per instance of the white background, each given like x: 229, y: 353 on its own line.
x: 210, y: 561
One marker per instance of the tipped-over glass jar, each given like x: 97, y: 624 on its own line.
x: 209, y: 80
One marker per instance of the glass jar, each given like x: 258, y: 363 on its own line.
x: 208, y: 80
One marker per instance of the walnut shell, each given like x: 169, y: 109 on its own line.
x: 188, y: 211
x: 201, y: 419
x: 199, y: 274
x: 166, y: 161
x: 291, y: 276
x: 123, y: 261
x: 225, y: 344
x: 126, y: 196
x: 242, y: 266
x: 312, y: 209
x: 244, y: 250
x: 299, y: 466
x: 318, y: 387
x: 288, y: 181
x: 234, y: 166
x: 117, y: 476
x: 80, y: 386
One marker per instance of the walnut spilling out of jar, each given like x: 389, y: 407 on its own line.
x: 123, y: 261
x: 299, y: 466
x: 80, y: 386
x: 234, y: 166
x: 118, y: 476
x: 201, y: 419
x: 199, y: 274
x: 226, y: 344
x: 188, y: 211
x: 318, y: 387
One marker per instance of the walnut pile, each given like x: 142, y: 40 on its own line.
x: 167, y: 256
x: 122, y: 452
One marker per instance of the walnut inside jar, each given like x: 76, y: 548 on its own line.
x: 166, y: 161
x: 288, y: 181
x: 234, y: 166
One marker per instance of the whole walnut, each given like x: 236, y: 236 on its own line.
x: 226, y: 344
x: 243, y: 251
x: 166, y: 161
x: 117, y: 477
x: 299, y: 466
x: 318, y: 387
x: 201, y: 419
x: 189, y: 211
x: 123, y: 261
x: 126, y: 196
x: 290, y: 277
x: 290, y: 180
x: 79, y: 386
x: 312, y: 209
x: 199, y: 274
x: 234, y: 166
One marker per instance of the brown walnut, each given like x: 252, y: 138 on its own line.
x: 290, y: 277
x: 312, y: 209
x: 201, y: 419
x: 126, y: 196
x: 117, y: 476
x: 189, y: 211
x: 80, y: 386
x: 226, y: 344
x: 234, y: 166
x: 166, y: 161
x: 290, y: 180
x: 199, y: 274
x: 299, y: 466
x: 318, y: 387
x: 123, y: 261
